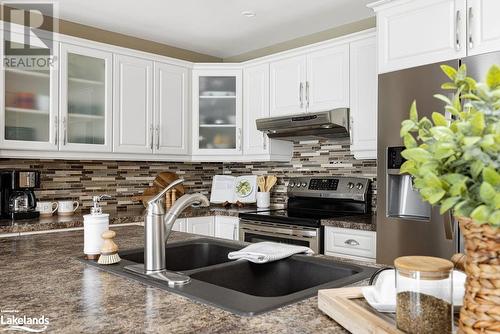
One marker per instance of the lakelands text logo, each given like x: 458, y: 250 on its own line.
x: 29, y: 29
x: 11, y: 320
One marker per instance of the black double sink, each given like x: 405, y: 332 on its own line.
x: 242, y: 287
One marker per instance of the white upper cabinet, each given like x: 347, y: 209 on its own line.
x: 217, y: 112
x: 412, y: 33
x: 317, y: 81
x: 255, y: 105
x: 363, y: 87
x: 86, y: 99
x: 29, y: 96
x: 288, y: 78
x: 171, y: 109
x: 133, y: 105
x: 483, y: 26
x: 327, y: 84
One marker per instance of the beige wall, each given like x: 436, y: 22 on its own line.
x: 306, y: 40
x: 113, y: 38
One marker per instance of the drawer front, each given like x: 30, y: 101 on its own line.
x: 350, y: 242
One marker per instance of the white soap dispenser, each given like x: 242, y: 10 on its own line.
x: 94, y: 225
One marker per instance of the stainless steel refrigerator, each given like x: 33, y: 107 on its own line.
x: 405, y: 224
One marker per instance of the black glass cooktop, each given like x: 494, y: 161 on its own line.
x: 294, y: 217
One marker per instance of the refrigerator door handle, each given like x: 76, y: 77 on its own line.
x: 457, y: 31
x: 449, y: 230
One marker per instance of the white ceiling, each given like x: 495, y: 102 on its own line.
x: 215, y: 27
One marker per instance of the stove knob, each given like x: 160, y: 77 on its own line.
x: 298, y: 185
x: 359, y: 186
x: 292, y: 184
x: 304, y: 184
x: 350, y: 185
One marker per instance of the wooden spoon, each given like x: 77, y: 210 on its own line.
x: 270, y: 182
x: 261, y: 181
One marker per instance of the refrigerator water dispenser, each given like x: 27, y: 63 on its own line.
x: 403, y: 201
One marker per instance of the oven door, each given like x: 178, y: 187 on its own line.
x: 253, y: 231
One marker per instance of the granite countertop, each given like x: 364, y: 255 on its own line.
x: 366, y: 222
x: 115, y: 217
x: 41, y: 276
x: 134, y: 215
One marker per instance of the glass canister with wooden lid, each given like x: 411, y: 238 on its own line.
x: 424, y: 299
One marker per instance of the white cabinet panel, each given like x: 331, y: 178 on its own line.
x: 483, y: 26
x: 180, y: 225
x: 363, y: 96
x: 350, y: 243
x: 86, y: 99
x: 288, y: 78
x: 420, y: 32
x: 217, y: 112
x: 255, y: 105
x: 201, y: 226
x: 171, y: 109
x: 29, y: 111
x: 327, y: 84
x: 227, y: 227
x: 133, y: 105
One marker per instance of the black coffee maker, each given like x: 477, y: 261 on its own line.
x: 17, y: 192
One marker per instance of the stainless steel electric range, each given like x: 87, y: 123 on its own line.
x: 310, y: 199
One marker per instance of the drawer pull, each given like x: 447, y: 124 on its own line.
x: 351, y: 242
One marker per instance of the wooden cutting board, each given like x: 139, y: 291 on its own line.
x: 160, y: 182
x: 348, y: 307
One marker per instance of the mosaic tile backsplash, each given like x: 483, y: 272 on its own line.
x: 80, y: 180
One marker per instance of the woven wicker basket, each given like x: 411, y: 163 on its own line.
x: 481, y: 310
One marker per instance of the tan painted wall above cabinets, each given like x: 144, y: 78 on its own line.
x: 105, y: 36
x: 339, y: 31
x: 113, y: 38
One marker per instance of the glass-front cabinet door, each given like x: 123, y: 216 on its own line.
x: 217, y: 112
x: 28, y: 103
x: 86, y: 99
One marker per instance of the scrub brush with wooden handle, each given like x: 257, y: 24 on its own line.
x: 109, y: 250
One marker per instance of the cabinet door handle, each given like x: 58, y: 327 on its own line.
x: 469, y: 25
x: 157, y: 137
x: 457, y: 31
x: 239, y: 139
x: 307, y: 94
x: 351, y: 122
x: 56, y: 130
x: 264, y: 138
x: 301, y: 89
x: 351, y: 242
x: 65, y: 131
x: 234, y: 232
x: 151, y: 128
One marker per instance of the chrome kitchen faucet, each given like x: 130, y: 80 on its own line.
x: 157, y: 228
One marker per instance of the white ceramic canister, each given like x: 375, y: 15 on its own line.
x: 94, y: 225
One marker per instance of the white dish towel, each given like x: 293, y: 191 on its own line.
x: 263, y: 252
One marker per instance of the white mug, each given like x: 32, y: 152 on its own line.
x: 67, y: 208
x: 46, y: 208
x: 263, y: 199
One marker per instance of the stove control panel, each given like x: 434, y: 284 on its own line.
x: 329, y: 187
x: 323, y: 184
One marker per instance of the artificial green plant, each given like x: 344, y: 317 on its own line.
x: 454, y: 159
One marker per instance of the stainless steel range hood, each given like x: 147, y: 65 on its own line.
x: 332, y: 124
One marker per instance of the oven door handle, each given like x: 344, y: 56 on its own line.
x: 278, y: 230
